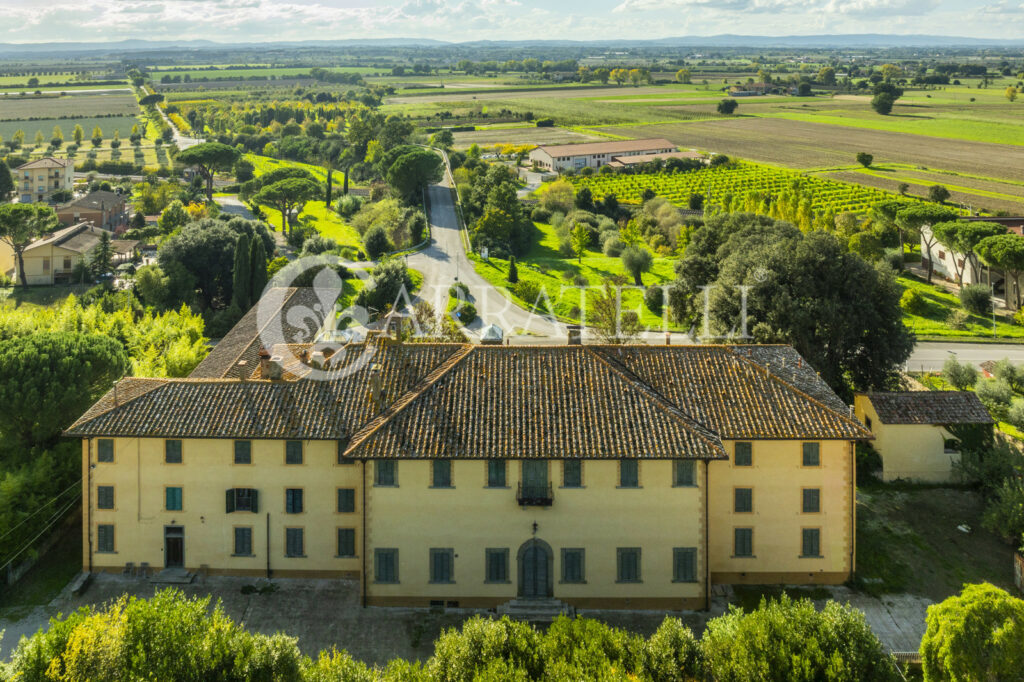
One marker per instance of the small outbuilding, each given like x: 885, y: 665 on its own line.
x: 914, y: 430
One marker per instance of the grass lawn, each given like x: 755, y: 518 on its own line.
x: 327, y: 222
x: 558, y: 277
x: 907, y: 541
x: 932, y: 322
x: 39, y: 296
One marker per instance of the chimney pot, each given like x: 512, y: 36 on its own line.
x: 275, y: 367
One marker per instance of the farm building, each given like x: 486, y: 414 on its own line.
x: 37, y: 180
x: 914, y: 430
x: 596, y: 154
x: 103, y: 209
x: 633, y: 160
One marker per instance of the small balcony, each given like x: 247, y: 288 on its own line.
x: 535, y: 495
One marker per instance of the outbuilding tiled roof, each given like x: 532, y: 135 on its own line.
x: 929, y: 407
x: 453, y: 400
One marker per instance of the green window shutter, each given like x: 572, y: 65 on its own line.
x: 105, y: 497
x: 811, y: 542
x: 172, y: 451
x: 812, y: 500
x: 743, y: 542
x: 744, y: 500
x: 385, y: 472
x: 293, y: 452
x: 105, y: 538
x: 243, y: 452
x: 172, y: 501
x: 442, y: 473
x: 229, y: 500
x: 685, y: 471
x: 743, y: 455
x: 572, y: 565
x: 346, y: 542
x: 105, y: 450
x: 685, y: 564
x: 243, y: 541
x: 572, y: 473
x: 496, y: 469
x: 342, y: 459
x: 629, y: 473
x: 812, y: 454
x: 294, y: 542
x: 346, y: 500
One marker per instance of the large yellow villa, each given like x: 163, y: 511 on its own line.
x: 471, y: 475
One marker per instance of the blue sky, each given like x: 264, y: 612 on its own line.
x: 458, y: 20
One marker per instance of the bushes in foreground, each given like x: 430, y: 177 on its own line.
x: 170, y: 637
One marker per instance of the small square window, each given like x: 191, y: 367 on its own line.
x: 243, y: 452
x: 442, y: 565
x: 385, y: 565
x: 684, y: 473
x: 243, y: 541
x: 105, y: 538
x: 812, y: 454
x: 496, y: 473
x: 812, y: 500
x: 105, y: 450
x: 684, y: 564
x: 384, y: 472
x: 172, y: 498
x: 172, y: 451
x: 346, y: 542
x: 743, y: 542
x: 573, y: 565
x: 628, y: 565
x: 629, y: 473
x: 743, y: 499
x: 293, y: 452
x: 294, y: 542
x: 743, y: 454
x: 496, y: 565
x: 346, y: 500
x: 441, y: 473
x: 572, y: 473
x: 105, y: 497
x: 811, y: 542
x: 293, y: 501
x: 342, y: 459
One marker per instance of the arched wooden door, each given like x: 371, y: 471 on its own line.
x: 536, y: 567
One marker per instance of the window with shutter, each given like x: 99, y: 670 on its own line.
x: 442, y: 473
x: 812, y: 454
x: 172, y: 498
x: 744, y: 500
x: 346, y: 542
x: 684, y: 473
x: 743, y: 455
x: 385, y: 565
x: 812, y: 500
x: 496, y: 469
x: 243, y: 452
x: 573, y: 565
x: 684, y: 564
x: 105, y: 538
x: 385, y: 473
x: 294, y: 542
x: 811, y: 542
x: 496, y: 565
x: 572, y: 473
x: 243, y: 541
x: 442, y: 562
x: 293, y: 452
x: 743, y: 542
x: 629, y: 564
x: 629, y: 473
x: 172, y: 451
x: 105, y: 450
x: 342, y: 459
x: 105, y: 497
x: 346, y: 500
x: 293, y: 501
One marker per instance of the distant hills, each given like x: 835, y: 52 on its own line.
x: 840, y: 41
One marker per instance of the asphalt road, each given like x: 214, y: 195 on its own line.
x: 929, y: 356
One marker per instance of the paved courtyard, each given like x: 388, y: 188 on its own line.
x: 326, y: 613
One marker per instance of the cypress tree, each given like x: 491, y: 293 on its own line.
x: 513, y: 271
x: 241, y: 277
x: 6, y: 181
x: 257, y: 269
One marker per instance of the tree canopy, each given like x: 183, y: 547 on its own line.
x: 411, y: 172
x: 1004, y: 252
x: 286, y: 195
x: 961, y: 237
x: 209, y: 158
x: 20, y: 224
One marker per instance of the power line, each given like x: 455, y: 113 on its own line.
x: 57, y: 516
x: 54, y: 499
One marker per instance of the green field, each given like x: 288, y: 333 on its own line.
x: 250, y: 72
x: 108, y: 124
x: 940, y: 303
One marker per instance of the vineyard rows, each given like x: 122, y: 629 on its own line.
x: 736, y: 184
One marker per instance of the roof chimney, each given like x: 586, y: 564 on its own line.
x: 376, y: 385
x: 575, y: 334
x: 264, y: 361
x: 317, y: 360
x: 275, y: 368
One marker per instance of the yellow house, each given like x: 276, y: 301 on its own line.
x: 912, y: 430
x: 448, y: 474
x: 52, y: 258
x: 37, y: 180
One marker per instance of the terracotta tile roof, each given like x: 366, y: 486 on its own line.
x: 616, y: 147
x: 45, y: 162
x: 453, y: 400
x: 930, y: 407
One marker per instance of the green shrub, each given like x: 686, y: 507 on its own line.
x: 376, y: 242
x: 459, y: 290
x: 976, y: 635
x: 869, y: 462
x: 957, y: 319
x: 976, y: 299
x: 654, y: 299
x: 996, y: 395
x: 540, y: 215
x: 789, y: 640
x: 460, y: 655
x: 673, y: 653
x: 589, y: 649
x: 467, y: 313
x: 989, y: 467
x: 530, y: 292
x: 913, y: 302
x: 961, y: 376
x: 614, y: 247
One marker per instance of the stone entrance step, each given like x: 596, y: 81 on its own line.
x: 536, y: 610
x: 173, y: 576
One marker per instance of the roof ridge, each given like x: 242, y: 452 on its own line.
x: 803, y: 394
x: 157, y: 382
x: 407, y: 398
x: 685, y: 417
